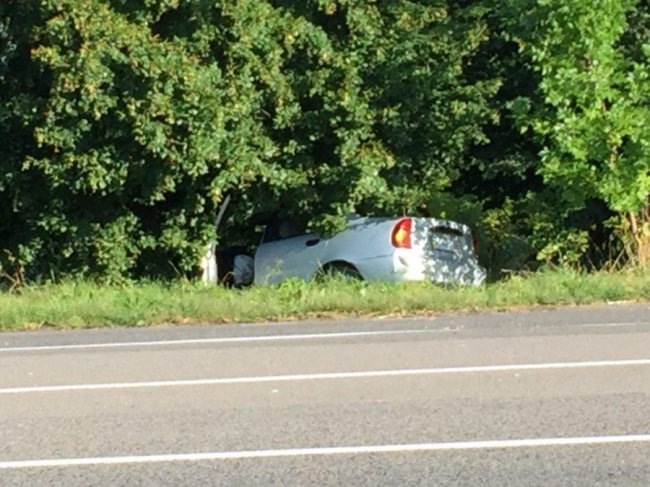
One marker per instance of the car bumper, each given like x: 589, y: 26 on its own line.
x: 409, y: 265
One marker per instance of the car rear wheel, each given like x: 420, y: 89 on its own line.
x: 341, y: 270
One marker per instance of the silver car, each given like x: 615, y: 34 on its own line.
x: 376, y: 249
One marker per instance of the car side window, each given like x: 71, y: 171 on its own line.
x: 281, y: 229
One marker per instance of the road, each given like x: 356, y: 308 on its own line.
x: 543, y: 397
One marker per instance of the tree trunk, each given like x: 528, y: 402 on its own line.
x: 640, y: 229
x: 644, y: 236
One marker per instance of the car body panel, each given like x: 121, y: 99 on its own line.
x: 441, y: 251
x: 291, y: 257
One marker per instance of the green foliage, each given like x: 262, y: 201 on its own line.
x: 147, y: 114
x: 125, y: 124
x: 593, y: 60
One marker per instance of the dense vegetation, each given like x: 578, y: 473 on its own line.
x: 125, y: 123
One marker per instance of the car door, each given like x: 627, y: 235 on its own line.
x: 303, y: 256
x: 294, y: 256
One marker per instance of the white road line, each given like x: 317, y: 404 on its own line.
x: 199, y: 341
x: 326, y: 451
x: 614, y: 325
x: 325, y: 376
x: 263, y: 338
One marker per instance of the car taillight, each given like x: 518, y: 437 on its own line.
x: 475, y: 243
x: 401, y: 236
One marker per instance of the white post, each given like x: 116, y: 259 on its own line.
x: 209, y: 265
x: 209, y: 260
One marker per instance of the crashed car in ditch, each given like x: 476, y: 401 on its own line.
x: 374, y: 249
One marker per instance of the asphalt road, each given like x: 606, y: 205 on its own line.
x: 546, y: 397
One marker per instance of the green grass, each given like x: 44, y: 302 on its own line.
x: 76, y: 305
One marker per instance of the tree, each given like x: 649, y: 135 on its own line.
x: 594, y: 116
x: 131, y: 121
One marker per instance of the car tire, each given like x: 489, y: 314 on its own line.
x: 341, y: 270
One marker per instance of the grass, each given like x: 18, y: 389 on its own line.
x: 84, y: 304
